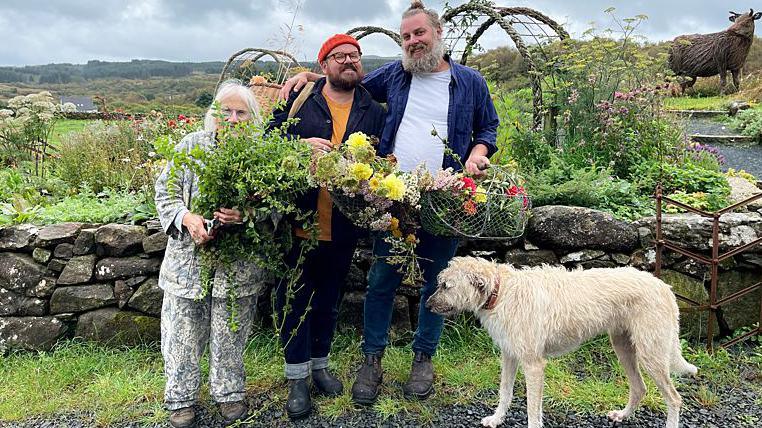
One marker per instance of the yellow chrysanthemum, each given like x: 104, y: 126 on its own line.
x: 373, y: 184
x: 392, y: 187
x: 357, y: 141
x: 481, y: 195
x: 411, y: 239
x: 360, y: 171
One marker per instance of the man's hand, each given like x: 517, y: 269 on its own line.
x: 228, y: 216
x: 197, y: 228
x: 296, y: 83
x: 478, y: 161
x: 319, y: 145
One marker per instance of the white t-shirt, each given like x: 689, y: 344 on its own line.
x: 426, y: 109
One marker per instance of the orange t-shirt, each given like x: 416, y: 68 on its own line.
x: 339, y: 119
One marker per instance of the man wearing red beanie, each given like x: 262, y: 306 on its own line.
x: 424, y: 89
x: 334, y: 108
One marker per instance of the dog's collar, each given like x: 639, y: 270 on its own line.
x: 492, y: 300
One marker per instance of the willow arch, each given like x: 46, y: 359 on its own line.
x: 507, y: 18
x: 360, y: 32
x: 246, y: 57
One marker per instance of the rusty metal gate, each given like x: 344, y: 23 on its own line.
x: 714, y: 304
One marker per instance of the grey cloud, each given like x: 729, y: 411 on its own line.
x: 38, y: 32
x: 345, y: 11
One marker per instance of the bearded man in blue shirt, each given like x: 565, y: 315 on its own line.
x: 425, y: 90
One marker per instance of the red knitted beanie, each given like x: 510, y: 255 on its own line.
x: 336, y: 40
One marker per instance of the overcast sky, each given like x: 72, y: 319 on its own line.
x: 75, y: 31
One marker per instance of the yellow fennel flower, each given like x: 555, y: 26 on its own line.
x: 392, y: 187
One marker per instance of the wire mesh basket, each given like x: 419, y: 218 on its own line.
x: 354, y: 207
x: 499, y: 211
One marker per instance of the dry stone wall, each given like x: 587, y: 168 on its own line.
x: 99, y: 282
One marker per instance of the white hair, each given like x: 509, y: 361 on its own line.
x: 226, y: 89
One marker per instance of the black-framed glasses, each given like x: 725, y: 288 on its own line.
x: 341, y: 57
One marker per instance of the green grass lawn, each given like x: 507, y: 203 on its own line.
x: 119, y: 384
x: 64, y: 126
x: 698, y: 103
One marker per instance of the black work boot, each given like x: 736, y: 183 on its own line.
x: 233, y: 411
x: 421, y: 383
x: 368, y: 382
x: 299, y: 404
x: 326, y: 383
x: 183, y: 418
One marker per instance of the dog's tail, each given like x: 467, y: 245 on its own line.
x: 678, y: 365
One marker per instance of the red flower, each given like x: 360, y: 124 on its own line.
x: 469, y: 183
x: 515, y: 191
x: 172, y: 124
x: 182, y: 117
x: 469, y: 207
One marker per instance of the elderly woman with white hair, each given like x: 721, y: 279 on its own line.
x: 191, y: 319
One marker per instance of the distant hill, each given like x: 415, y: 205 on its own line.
x: 94, y: 69
x: 136, y: 69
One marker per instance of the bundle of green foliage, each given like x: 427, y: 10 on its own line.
x: 262, y: 174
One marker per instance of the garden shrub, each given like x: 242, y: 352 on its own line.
x: 105, y: 155
x: 749, y: 123
x: 562, y: 183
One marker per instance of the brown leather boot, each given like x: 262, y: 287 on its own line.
x: 421, y: 383
x: 183, y: 418
x: 233, y: 411
x: 368, y: 382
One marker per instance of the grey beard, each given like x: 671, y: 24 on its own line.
x: 426, y: 63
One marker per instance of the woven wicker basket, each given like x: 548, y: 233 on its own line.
x: 267, y: 96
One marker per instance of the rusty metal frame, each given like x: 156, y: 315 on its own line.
x: 714, y: 304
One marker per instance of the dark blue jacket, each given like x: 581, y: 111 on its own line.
x: 471, y: 116
x: 365, y: 116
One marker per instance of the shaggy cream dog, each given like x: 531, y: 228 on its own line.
x: 532, y: 314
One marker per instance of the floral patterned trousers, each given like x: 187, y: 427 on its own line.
x: 187, y: 326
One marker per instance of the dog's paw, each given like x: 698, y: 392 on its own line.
x: 617, y: 415
x: 492, y: 421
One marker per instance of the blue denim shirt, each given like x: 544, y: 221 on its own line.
x: 471, y: 115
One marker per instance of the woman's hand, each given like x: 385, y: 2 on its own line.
x: 228, y: 216
x: 197, y: 228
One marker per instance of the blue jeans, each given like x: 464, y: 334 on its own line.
x: 383, y: 280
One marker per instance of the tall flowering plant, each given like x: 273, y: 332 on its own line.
x: 374, y: 194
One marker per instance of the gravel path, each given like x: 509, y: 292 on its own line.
x: 734, y: 407
x: 708, y: 126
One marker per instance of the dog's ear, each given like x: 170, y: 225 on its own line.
x: 478, y: 282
